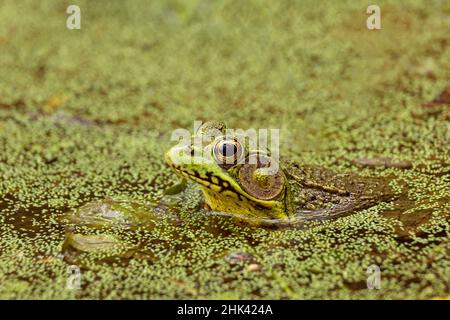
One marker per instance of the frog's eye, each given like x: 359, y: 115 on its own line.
x: 227, y: 152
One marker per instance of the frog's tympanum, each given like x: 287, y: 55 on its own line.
x: 251, y: 183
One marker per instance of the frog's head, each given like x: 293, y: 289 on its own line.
x: 233, y: 178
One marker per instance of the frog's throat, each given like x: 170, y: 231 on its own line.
x: 226, y: 195
x: 239, y: 205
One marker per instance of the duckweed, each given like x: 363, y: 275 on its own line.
x: 86, y: 115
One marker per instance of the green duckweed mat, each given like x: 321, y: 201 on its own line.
x: 86, y: 115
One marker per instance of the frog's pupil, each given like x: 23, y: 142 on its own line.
x: 228, y: 149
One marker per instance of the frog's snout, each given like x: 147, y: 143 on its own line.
x: 177, y: 155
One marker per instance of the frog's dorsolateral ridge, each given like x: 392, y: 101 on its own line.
x: 251, y: 189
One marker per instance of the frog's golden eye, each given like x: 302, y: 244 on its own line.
x: 227, y: 152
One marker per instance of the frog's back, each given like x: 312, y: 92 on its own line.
x: 318, y: 193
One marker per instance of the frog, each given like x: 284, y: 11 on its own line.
x: 243, y: 181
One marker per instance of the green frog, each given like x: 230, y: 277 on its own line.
x: 238, y: 180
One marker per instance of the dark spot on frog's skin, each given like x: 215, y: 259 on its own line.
x: 259, y: 207
x: 296, y: 165
x: 224, y: 185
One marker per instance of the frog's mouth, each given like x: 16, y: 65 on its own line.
x: 209, y: 180
x: 227, y: 195
x: 223, y: 184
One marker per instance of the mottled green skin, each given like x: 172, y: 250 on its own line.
x: 317, y: 193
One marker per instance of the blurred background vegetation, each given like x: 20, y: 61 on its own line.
x: 87, y: 114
